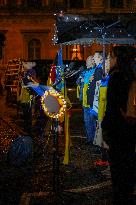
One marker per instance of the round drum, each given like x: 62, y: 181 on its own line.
x: 53, y: 104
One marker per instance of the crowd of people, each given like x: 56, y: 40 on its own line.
x: 103, y: 92
x: 104, y: 98
x: 88, y: 85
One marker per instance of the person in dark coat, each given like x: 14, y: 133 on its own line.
x: 117, y: 132
x: 84, y: 81
x: 25, y: 98
x: 96, y: 78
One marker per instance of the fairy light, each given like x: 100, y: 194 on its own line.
x: 61, y: 101
x: 55, y: 36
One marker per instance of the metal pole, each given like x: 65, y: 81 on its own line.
x: 104, y: 52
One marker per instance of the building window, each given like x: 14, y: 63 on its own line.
x: 35, y: 3
x: 34, y: 49
x: 32, y: 3
x: 129, y: 4
x: 75, y: 4
x: 116, y: 3
x: 76, y: 52
x: 11, y: 3
x: 58, y: 5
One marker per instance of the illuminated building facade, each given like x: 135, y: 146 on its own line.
x: 28, y: 26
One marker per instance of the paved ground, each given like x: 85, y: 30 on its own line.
x: 44, y: 179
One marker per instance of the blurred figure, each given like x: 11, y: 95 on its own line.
x: 117, y: 132
x: 102, y: 105
x: 83, y: 81
x: 93, y: 93
x: 25, y: 96
x: 96, y: 78
x: 29, y: 72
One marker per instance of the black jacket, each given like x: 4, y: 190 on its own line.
x: 117, y: 95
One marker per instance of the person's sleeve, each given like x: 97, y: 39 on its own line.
x: 78, y: 81
x: 113, y: 103
x: 98, y: 74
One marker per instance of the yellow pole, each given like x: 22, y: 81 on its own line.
x: 67, y: 139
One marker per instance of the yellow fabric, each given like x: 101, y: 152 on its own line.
x: 67, y: 139
x: 24, y: 97
x: 102, y: 102
x: 63, y: 90
x: 69, y: 104
x: 66, y: 128
x: 49, y: 81
x: 85, y: 95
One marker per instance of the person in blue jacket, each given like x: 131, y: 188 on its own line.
x: 83, y: 82
x: 97, y: 76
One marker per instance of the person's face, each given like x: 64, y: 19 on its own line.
x: 28, y: 65
x: 113, y: 60
x: 90, y: 62
x: 97, y: 58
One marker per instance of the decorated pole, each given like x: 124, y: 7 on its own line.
x: 57, y: 79
x: 66, y: 117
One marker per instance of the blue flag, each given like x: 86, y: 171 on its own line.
x: 60, y: 58
x: 60, y: 72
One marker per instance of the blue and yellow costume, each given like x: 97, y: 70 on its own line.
x: 102, y: 101
x: 102, y: 98
x: 83, y: 82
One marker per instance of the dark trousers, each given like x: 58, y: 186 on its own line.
x: 122, y: 159
x: 90, y: 124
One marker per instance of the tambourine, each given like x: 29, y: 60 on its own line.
x: 53, y: 103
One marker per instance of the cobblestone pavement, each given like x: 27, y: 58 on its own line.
x: 45, y: 179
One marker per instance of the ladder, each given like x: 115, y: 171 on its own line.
x: 12, y: 79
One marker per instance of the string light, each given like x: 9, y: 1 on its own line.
x: 61, y: 102
x: 94, y: 28
x: 55, y: 36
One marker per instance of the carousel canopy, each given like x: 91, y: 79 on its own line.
x: 103, y: 28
